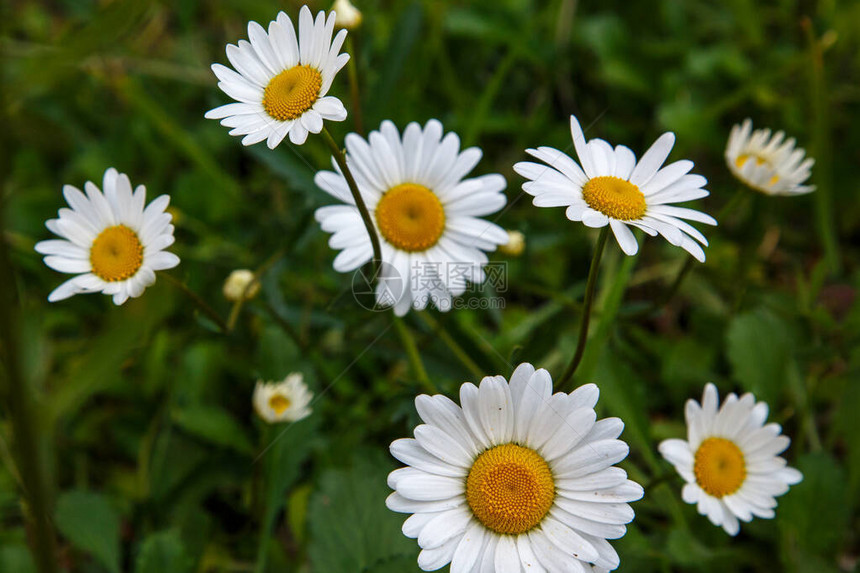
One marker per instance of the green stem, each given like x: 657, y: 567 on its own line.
x: 586, y: 308
x: 412, y: 353
x: 201, y: 304
x: 451, y: 343
x: 340, y: 158
x: 27, y: 441
x: 821, y: 145
x: 354, y: 92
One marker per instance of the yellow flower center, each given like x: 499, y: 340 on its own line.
x: 279, y: 403
x: 116, y: 254
x: 759, y: 160
x: 510, y: 489
x: 719, y: 467
x: 614, y: 197
x: 410, y: 217
x: 292, y: 92
x: 743, y: 158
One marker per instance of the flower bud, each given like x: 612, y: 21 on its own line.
x: 236, y: 284
x: 515, y: 245
x: 346, y: 15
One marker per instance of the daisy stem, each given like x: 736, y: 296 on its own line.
x: 207, y: 310
x: 586, y: 307
x: 412, y: 353
x: 340, y: 158
x: 451, y: 343
x: 355, y: 94
x: 28, y: 443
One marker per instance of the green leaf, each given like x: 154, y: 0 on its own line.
x: 351, y: 529
x: 290, y: 445
x: 215, y: 425
x: 760, y: 347
x: 91, y: 524
x: 163, y: 553
x: 16, y: 558
x: 814, y: 514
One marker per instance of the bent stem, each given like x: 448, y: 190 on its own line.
x: 586, y: 307
x: 412, y: 353
x: 201, y: 304
x: 340, y: 158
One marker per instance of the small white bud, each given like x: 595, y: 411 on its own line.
x: 236, y: 284
x: 346, y: 15
x: 515, y: 246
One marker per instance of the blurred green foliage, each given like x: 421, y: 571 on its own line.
x: 155, y: 458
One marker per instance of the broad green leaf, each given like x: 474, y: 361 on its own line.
x: 351, y: 529
x: 814, y: 514
x: 215, y: 425
x: 91, y: 524
x: 16, y: 558
x: 760, y: 346
x: 163, y: 553
x: 289, y: 447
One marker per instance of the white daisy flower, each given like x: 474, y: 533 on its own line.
x: 730, y: 460
x: 611, y: 188
x: 768, y: 163
x: 282, y: 81
x: 517, y: 479
x: 110, y: 241
x: 425, y: 212
x: 285, y: 401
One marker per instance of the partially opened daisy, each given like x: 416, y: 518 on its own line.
x: 285, y: 401
x: 768, y: 163
x: 730, y: 459
x: 423, y: 209
x: 281, y: 81
x: 110, y: 241
x: 516, y: 478
x: 612, y: 188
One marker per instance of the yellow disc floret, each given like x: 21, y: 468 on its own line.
x: 510, y: 489
x: 292, y: 92
x: 614, y: 197
x: 279, y: 403
x: 743, y: 158
x: 116, y: 254
x: 719, y: 467
x: 410, y: 217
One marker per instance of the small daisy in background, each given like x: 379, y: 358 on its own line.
x: 730, y: 459
x: 281, y: 81
x: 516, y: 478
x: 425, y: 212
x: 612, y: 188
x: 285, y: 401
x: 112, y: 241
x: 768, y: 163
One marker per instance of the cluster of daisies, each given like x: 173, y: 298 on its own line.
x: 514, y: 477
